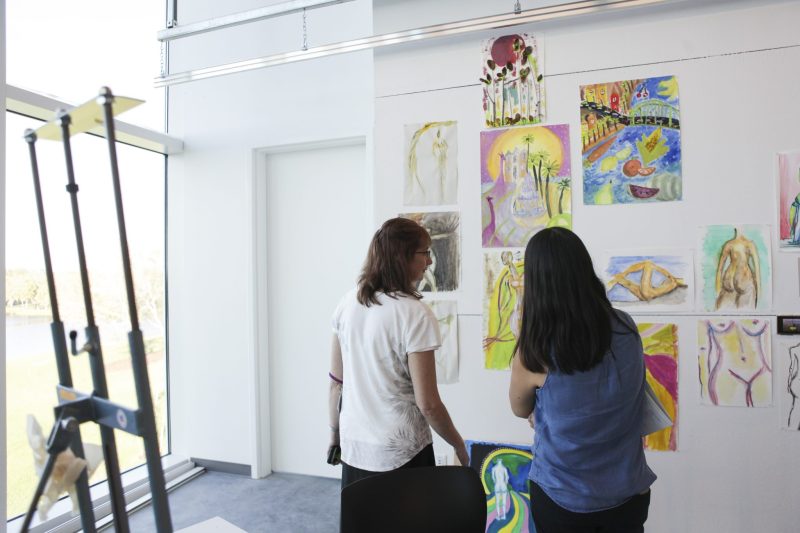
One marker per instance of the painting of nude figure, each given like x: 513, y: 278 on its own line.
x: 651, y: 282
x: 735, y: 362
x: 790, y: 387
x: 735, y: 268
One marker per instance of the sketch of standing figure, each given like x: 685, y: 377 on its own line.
x: 431, y: 175
x: 439, y: 147
x: 500, y: 479
x: 738, y: 274
x: 793, y: 388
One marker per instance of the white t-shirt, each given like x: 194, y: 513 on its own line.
x: 381, y: 428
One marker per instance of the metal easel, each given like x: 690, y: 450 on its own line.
x: 74, y: 407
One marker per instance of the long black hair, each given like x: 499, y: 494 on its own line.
x: 566, y: 315
x: 386, y: 267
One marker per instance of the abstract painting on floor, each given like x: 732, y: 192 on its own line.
x: 513, y: 90
x: 660, y: 342
x: 657, y: 281
x: 789, y: 200
x: 431, y: 164
x: 502, y: 305
x: 525, y: 183
x: 735, y: 362
x: 446, y: 313
x: 504, y: 470
x: 631, y: 141
x: 444, y: 273
x: 735, y: 268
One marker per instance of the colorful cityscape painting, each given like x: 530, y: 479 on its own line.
x: 789, y: 200
x: 631, y: 141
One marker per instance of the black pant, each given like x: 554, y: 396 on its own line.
x: 351, y: 474
x: 550, y: 517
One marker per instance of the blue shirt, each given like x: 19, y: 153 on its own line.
x: 587, y: 452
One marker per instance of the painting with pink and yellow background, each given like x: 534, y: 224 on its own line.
x: 789, y: 200
x: 660, y: 342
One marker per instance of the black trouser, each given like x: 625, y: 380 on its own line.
x: 351, y: 474
x: 550, y: 517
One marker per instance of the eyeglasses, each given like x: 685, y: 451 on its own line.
x: 426, y: 252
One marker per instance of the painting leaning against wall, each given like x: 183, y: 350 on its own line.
x: 431, y: 164
x: 631, y: 141
x: 444, y: 272
x: 525, y: 183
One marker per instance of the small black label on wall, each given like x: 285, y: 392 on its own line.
x: 789, y: 325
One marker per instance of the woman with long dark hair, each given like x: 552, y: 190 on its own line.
x: 579, y: 370
x: 384, y: 398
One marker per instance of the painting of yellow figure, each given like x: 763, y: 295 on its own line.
x: 735, y: 362
x: 502, y: 305
x: 431, y: 169
x: 660, y: 342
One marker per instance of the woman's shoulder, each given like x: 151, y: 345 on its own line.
x: 623, y: 318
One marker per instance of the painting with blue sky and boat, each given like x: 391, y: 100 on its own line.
x: 631, y: 141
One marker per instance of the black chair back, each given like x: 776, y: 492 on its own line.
x: 435, y: 499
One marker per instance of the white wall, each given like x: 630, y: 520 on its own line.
x: 211, y: 265
x: 3, y: 469
x: 735, y: 469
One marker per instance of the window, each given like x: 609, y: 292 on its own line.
x: 70, y: 50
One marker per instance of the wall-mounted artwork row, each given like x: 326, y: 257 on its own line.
x: 789, y: 200
x: 790, y: 387
x: 735, y: 362
x: 446, y: 312
x: 513, y: 92
x: 735, y: 268
x: 431, y: 164
x: 444, y: 273
x: 502, y: 305
x: 658, y: 281
x: 631, y: 141
x: 525, y: 183
x: 660, y: 342
x: 503, y: 469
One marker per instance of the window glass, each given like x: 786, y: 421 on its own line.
x: 71, y: 49
x: 31, y: 373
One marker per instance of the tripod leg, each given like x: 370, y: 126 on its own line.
x: 48, y: 469
x: 138, y: 359
x: 59, y: 339
x: 93, y: 340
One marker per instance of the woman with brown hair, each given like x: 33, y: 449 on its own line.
x: 384, y: 398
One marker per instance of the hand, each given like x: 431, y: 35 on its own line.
x: 461, y: 454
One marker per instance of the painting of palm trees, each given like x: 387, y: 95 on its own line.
x: 525, y: 183
x: 431, y: 164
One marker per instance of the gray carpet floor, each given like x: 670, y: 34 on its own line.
x: 283, y: 503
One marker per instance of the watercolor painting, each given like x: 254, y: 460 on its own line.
x: 789, y: 201
x: 444, y: 273
x: 735, y: 268
x: 525, y: 183
x: 431, y: 169
x: 735, y: 362
x: 446, y: 313
x: 790, y: 387
x: 660, y: 343
x: 631, y: 141
x: 504, y: 470
x: 502, y: 305
x: 512, y: 79
x: 658, y: 281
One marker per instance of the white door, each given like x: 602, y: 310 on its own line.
x: 317, y: 237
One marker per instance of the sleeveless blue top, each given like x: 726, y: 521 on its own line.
x: 587, y: 450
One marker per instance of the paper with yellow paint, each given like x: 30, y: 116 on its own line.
x: 502, y: 305
x: 660, y: 342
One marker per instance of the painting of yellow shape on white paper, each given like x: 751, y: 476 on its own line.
x: 651, y: 281
x: 735, y: 362
x: 446, y: 313
x: 502, y: 305
x: 431, y: 165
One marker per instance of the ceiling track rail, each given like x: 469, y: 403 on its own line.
x: 572, y: 9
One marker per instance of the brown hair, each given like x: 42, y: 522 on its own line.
x: 386, y: 267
